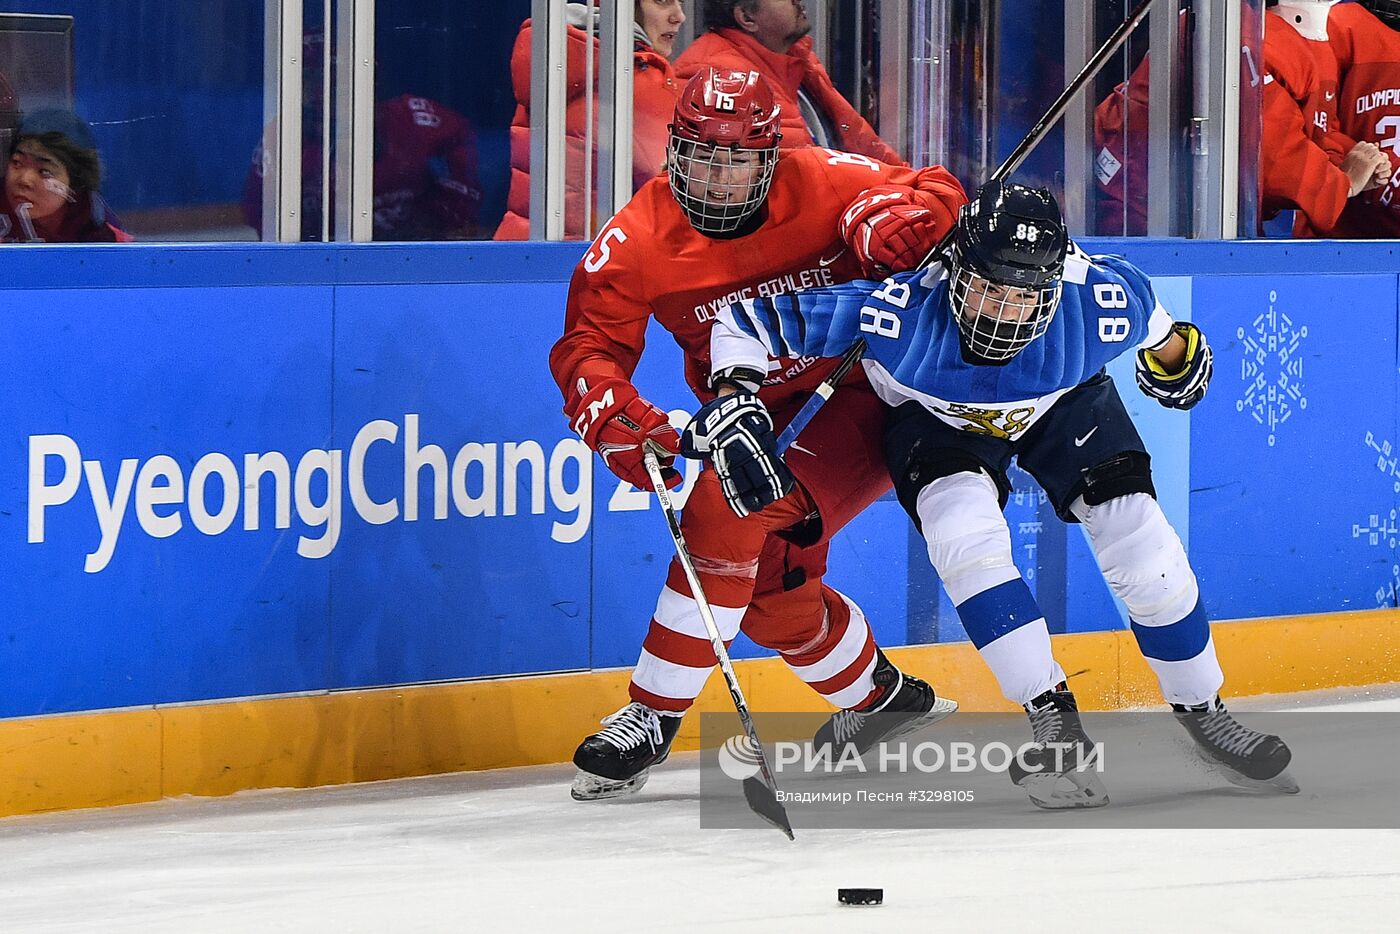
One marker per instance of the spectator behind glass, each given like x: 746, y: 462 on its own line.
x: 52, y: 182
x: 1304, y: 162
x: 655, y: 91
x: 1364, y: 39
x: 426, y: 183
x: 771, y: 37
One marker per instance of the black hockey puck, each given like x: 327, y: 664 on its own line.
x: 860, y: 896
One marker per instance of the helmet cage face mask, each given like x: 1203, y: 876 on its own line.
x: 719, y: 187
x: 998, y: 320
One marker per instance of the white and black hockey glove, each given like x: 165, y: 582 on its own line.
x: 1178, y: 390
x: 735, y: 433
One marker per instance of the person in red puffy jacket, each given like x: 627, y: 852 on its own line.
x: 52, y: 182
x: 771, y: 37
x: 654, y: 93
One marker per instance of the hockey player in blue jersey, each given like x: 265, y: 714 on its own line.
x: 998, y: 352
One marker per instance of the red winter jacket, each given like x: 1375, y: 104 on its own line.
x: 655, y: 90
x: 735, y: 50
x: 1121, y: 208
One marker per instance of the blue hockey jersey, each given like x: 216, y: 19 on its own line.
x: 1107, y: 307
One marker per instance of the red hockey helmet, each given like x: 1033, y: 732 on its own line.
x: 724, y: 147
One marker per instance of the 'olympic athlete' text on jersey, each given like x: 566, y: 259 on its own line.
x: 1107, y: 307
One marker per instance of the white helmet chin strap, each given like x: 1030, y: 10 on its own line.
x: 1309, y: 17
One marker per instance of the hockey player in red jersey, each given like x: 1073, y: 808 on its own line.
x: 1363, y: 36
x: 734, y: 219
x: 1304, y: 162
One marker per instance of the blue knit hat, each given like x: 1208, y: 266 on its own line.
x: 55, y: 120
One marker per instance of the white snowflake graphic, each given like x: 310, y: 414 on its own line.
x: 1386, y: 462
x: 1272, y: 368
x: 1382, y: 527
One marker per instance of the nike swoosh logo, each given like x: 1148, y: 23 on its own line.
x: 827, y: 262
x: 1079, y: 442
x: 797, y: 447
x: 1330, y: 95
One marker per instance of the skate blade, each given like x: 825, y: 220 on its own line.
x: 1066, y: 790
x: 590, y: 787
x: 1282, y: 783
x: 942, y: 708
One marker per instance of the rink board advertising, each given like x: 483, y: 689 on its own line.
x: 238, y: 471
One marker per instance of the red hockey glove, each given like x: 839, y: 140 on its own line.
x: 614, y: 421
x: 888, y: 229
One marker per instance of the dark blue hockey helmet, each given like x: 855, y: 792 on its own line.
x: 1008, y: 255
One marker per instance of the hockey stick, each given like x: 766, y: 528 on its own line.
x: 762, y: 796
x: 1019, y: 155
x: 820, y: 395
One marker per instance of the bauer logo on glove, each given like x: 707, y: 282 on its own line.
x: 735, y: 434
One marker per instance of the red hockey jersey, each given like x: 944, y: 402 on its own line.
x: 1300, y: 150
x: 649, y: 261
x: 1368, y: 108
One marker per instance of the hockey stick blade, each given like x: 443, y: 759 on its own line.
x: 763, y: 801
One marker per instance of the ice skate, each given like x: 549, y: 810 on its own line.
x: 1061, y: 771
x: 617, y: 760
x: 1240, y: 755
x: 905, y: 705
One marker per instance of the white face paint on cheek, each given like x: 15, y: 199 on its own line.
x: 54, y: 186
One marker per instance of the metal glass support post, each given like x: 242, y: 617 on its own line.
x: 354, y: 111
x: 547, y: 101
x: 1080, y: 43
x: 1215, y: 121
x: 281, y: 157
x: 1163, y: 131
x: 819, y: 14
x: 896, y: 47
x: 615, y: 115
x: 928, y: 83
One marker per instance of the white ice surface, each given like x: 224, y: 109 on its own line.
x: 509, y: 851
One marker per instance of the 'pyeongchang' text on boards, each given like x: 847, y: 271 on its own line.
x: 267, y: 488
